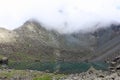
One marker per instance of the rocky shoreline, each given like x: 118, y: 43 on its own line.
x: 93, y: 74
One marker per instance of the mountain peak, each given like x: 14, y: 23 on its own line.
x: 32, y: 22
x: 31, y: 26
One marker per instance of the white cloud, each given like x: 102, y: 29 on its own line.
x: 62, y: 15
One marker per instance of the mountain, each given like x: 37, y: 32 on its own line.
x: 33, y: 42
x: 7, y: 36
x: 108, y: 43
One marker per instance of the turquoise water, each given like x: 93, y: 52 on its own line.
x: 66, y: 67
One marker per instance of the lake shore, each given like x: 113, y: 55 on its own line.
x: 91, y: 74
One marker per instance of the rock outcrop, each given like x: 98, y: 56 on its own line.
x: 93, y: 74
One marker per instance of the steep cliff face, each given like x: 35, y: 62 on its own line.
x: 33, y: 42
x: 108, y: 43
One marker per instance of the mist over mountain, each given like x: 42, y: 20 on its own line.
x: 32, y: 41
x: 64, y: 16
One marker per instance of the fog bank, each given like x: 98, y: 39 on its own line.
x: 65, y: 16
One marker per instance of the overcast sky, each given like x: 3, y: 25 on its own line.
x: 62, y: 15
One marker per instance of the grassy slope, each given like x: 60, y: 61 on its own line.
x: 27, y: 75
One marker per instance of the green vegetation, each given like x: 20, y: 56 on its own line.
x: 19, y: 56
x: 1, y: 56
x: 44, y: 77
x: 49, y: 76
x: 9, y: 74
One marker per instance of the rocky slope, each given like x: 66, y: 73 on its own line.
x: 93, y: 74
x: 108, y: 44
x: 7, y: 36
x: 33, y: 42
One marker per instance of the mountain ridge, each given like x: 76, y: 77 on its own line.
x: 31, y: 39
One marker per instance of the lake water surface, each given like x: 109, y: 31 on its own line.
x: 63, y: 67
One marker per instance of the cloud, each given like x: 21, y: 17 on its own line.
x: 65, y: 16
